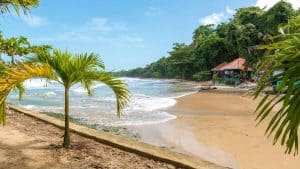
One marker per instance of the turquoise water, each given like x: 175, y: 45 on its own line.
x: 150, y: 98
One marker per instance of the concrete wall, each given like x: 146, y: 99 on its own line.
x: 126, y: 144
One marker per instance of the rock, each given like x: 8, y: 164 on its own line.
x: 169, y: 166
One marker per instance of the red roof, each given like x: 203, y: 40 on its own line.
x: 217, y: 68
x: 237, y: 64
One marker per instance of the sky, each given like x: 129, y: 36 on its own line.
x: 126, y: 34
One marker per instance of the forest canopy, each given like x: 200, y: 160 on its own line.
x: 214, y: 44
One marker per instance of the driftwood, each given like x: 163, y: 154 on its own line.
x: 207, y: 87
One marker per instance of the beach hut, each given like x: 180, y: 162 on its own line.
x: 234, y: 71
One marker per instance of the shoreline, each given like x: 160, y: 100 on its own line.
x: 27, y: 142
x: 219, y: 126
x: 36, y: 136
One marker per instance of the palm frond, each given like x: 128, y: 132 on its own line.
x: 82, y: 68
x: 17, y: 5
x: 119, y: 87
x: 15, y: 76
x: 284, y: 55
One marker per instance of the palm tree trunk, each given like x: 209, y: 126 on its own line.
x: 66, y: 143
x: 12, y: 60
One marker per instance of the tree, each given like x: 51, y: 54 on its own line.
x: 180, y: 59
x: 282, y: 65
x: 211, y: 52
x: 69, y: 69
x: 211, y: 45
x: 18, y: 5
x: 14, y: 75
x: 200, y: 33
x: 280, y: 13
x: 249, y: 15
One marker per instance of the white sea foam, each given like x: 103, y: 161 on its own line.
x: 149, y: 103
x: 83, y: 90
x: 34, y: 83
x: 80, y: 90
x: 38, y: 83
x: 184, y: 94
x: 154, y: 118
x: 30, y: 107
x: 149, y: 99
x: 49, y: 94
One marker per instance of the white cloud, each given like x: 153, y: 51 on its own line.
x: 98, y: 31
x: 103, y: 25
x: 33, y: 20
x: 214, y: 18
x: 100, y: 24
x: 133, y: 39
x: 229, y: 10
x: 67, y: 36
x: 152, y: 12
x: 269, y: 3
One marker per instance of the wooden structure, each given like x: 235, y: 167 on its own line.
x: 235, y: 70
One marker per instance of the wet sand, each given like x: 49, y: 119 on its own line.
x: 220, y: 126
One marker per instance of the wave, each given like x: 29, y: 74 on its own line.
x: 159, y: 117
x: 30, y: 107
x: 35, y: 83
x: 150, y: 98
x: 184, y: 94
x: 83, y: 90
x: 48, y: 94
x: 142, y: 81
x: 38, y: 83
x: 149, y: 103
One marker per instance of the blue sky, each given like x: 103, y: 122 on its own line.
x: 126, y: 34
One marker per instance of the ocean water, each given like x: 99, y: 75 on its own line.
x: 150, y: 99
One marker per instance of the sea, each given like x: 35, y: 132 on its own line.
x: 150, y: 99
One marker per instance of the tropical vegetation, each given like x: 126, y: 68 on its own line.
x: 282, y: 66
x: 214, y: 44
x: 42, y: 62
x: 19, y: 6
x: 251, y: 33
x: 67, y: 69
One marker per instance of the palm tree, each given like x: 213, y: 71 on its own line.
x: 86, y: 69
x: 69, y: 69
x: 12, y: 77
x: 283, y: 57
x: 17, y: 5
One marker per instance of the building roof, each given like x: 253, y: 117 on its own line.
x: 218, y: 68
x: 237, y: 64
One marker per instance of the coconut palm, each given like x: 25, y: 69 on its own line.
x: 69, y: 69
x: 283, y: 57
x: 17, y: 5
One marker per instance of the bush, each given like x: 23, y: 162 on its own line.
x: 156, y: 75
x: 202, y: 76
x: 230, y: 82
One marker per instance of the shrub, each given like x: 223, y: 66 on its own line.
x: 202, y: 76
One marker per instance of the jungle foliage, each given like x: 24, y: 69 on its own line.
x: 214, y: 44
x: 282, y: 66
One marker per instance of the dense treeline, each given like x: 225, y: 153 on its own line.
x: 214, y: 44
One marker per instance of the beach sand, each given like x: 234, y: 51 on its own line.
x: 220, y: 126
x: 26, y: 143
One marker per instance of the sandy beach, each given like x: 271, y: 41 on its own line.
x: 26, y: 143
x: 220, y: 126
